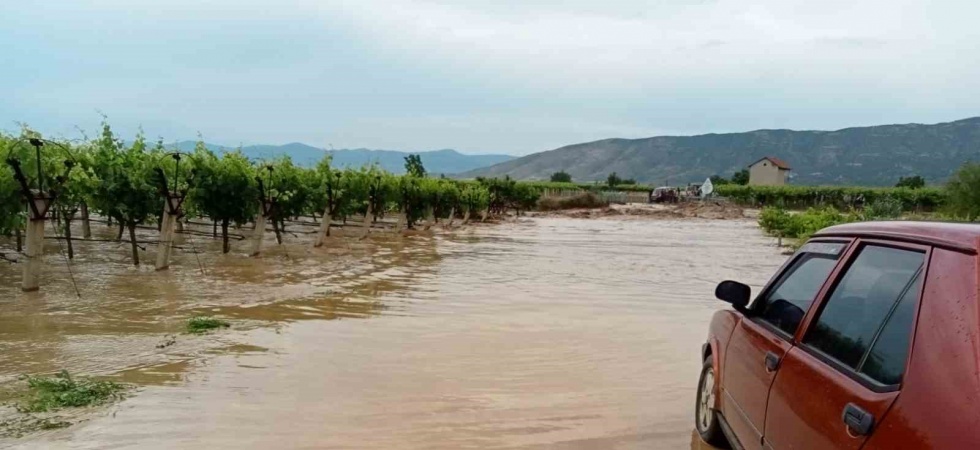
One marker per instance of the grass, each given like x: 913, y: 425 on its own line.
x: 203, y: 324
x: 64, y: 391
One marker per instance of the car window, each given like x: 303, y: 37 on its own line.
x: 861, y: 308
x: 785, y: 305
x: 886, y: 361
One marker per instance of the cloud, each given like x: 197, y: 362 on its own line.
x: 483, y: 75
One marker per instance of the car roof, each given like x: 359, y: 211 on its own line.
x: 964, y: 237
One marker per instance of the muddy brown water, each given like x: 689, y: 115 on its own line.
x: 540, y: 333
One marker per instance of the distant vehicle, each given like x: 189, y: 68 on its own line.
x: 664, y: 194
x: 868, y: 337
x: 693, y: 190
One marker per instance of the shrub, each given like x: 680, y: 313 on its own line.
x: 583, y: 200
x: 774, y: 220
x: 963, y: 192
x: 883, y: 208
x: 800, y: 226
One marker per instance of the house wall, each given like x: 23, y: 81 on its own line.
x: 765, y: 173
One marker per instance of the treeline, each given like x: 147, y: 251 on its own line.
x: 129, y: 182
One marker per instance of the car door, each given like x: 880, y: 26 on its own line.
x: 766, y: 333
x: 847, y: 369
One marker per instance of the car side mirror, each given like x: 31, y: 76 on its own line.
x: 733, y: 292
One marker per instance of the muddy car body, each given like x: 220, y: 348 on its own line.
x: 867, y: 337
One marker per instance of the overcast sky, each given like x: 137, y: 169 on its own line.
x: 482, y: 76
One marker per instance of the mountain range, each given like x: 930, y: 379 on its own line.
x: 876, y: 155
x: 436, y: 162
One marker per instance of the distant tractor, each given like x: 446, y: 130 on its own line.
x: 664, y: 194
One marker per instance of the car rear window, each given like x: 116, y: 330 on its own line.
x: 866, y: 322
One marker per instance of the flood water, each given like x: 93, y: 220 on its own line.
x: 539, y: 333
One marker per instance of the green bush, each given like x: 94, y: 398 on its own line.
x: 963, y: 192
x: 800, y: 226
x: 883, y: 208
x: 583, y: 200
x: 774, y: 221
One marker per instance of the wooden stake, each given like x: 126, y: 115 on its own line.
x: 132, y: 242
x: 86, y: 227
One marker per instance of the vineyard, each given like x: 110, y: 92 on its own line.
x: 142, y: 185
x: 794, y: 197
x: 922, y: 199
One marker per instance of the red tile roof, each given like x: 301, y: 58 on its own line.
x: 776, y: 161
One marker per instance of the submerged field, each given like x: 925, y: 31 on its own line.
x: 535, y: 333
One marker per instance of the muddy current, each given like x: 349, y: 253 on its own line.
x: 530, y: 334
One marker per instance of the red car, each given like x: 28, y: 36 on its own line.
x: 868, y: 337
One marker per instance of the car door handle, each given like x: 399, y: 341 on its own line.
x: 858, y: 421
x: 772, y: 362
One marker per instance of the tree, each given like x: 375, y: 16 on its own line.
x: 414, y: 167
x: 613, y: 180
x: 718, y: 180
x: 741, y: 177
x: 913, y: 182
x: 561, y: 177
x: 963, y: 192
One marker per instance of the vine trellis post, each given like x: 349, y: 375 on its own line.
x: 265, y: 210
x: 39, y: 204
x: 171, y: 212
x: 373, y: 192
x: 328, y: 212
